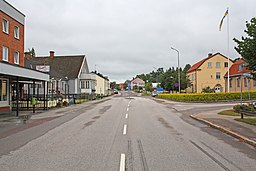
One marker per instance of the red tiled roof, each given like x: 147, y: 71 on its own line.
x: 197, y: 65
x: 234, y: 69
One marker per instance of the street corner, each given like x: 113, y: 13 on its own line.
x: 225, y: 130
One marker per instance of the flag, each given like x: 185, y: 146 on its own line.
x: 226, y: 13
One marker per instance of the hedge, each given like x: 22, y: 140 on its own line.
x: 207, y: 97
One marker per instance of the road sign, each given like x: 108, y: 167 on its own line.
x: 176, y: 84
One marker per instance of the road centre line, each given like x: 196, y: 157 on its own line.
x: 126, y: 115
x: 127, y: 109
x: 124, y: 131
x: 122, y: 162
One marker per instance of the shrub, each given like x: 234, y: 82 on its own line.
x: 244, y: 107
x: 207, y: 97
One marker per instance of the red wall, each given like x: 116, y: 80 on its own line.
x: 10, y: 41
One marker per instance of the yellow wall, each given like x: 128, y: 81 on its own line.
x: 236, y: 87
x: 206, y: 76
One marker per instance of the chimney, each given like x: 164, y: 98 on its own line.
x: 51, y: 54
x: 27, y: 55
x: 209, y: 55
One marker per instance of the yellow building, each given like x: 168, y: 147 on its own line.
x: 209, y: 72
x: 239, y: 78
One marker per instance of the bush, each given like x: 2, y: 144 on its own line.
x: 244, y: 107
x: 207, y: 97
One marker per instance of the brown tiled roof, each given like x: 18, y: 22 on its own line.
x: 233, y: 71
x: 60, y: 66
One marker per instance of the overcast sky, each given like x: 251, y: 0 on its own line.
x: 124, y: 38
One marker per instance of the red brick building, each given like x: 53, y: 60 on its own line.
x: 12, y: 71
x: 12, y: 34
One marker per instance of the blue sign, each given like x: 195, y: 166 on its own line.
x: 176, y: 84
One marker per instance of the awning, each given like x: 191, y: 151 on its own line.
x: 18, y: 71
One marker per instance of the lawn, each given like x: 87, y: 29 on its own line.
x: 251, y: 121
x: 230, y: 112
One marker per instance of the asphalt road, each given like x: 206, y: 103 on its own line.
x: 131, y: 134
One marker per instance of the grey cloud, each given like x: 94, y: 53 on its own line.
x: 124, y: 38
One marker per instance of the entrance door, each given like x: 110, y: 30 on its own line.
x: 217, y: 89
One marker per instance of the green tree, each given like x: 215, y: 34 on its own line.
x: 247, y: 46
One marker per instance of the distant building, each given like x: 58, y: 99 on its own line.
x: 208, y: 72
x: 102, y: 84
x: 121, y: 86
x: 13, y: 75
x: 69, y: 74
x: 137, y: 82
x: 238, y: 81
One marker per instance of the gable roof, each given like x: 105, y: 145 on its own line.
x: 233, y: 70
x: 198, y: 64
x: 60, y: 66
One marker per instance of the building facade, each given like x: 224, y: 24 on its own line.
x: 13, y: 75
x: 239, y: 78
x: 102, y: 84
x: 209, y: 72
x: 137, y: 82
x: 69, y: 74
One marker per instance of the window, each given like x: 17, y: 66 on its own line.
x: 16, y: 57
x: 230, y: 82
x: 209, y: 65
x: 238, y: 82
x: 241, y: 66
x: 87, y: 84
x: 5, y: 53
x: 254, y: 83
x: 16, y: 32
x: 193, y: 77
x: 82, y: 84
x: 3, y: 90
x: 226, y: 64
x: 245, y: 82
x: 217, y: 64
x: 5, y: 25
x: 217, y: 75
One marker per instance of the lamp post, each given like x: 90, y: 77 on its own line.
x: 157, y: 76
x: 178, y: 65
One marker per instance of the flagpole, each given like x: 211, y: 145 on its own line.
x: 228, y: 46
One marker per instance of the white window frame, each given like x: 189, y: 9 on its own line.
x: 5, y: 28
x: 218, y: 75
x: 82, y: 84
x: 209, y: 64
x: 225, y: 66
x: 17, y: 58
x: 87, y: 84
x: 217, y: 64
x: 5, y: 53
x: 17, y: 32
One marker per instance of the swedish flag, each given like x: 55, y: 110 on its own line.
x: 226, y: 13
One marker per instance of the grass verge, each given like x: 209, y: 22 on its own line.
x: 230, y: 112
x: 251, y: 121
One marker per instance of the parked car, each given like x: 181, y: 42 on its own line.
x: 154, y: 94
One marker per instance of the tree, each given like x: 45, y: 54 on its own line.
x: 31, y: 52
x: 247, y: 46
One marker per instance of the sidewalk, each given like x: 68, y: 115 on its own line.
x: 11, y: 124
x: 227, y: 124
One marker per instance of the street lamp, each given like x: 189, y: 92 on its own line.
x: 157, y: 75
x: 178, y: 65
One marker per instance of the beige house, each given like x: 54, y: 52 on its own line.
x: 102, y: 84
x: 209, y: 72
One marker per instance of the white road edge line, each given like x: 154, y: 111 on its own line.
x: 126, y: 116
x: 124, y: 131
x: 122, y: 162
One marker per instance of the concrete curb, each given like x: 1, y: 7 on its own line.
x: 223, y: 129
